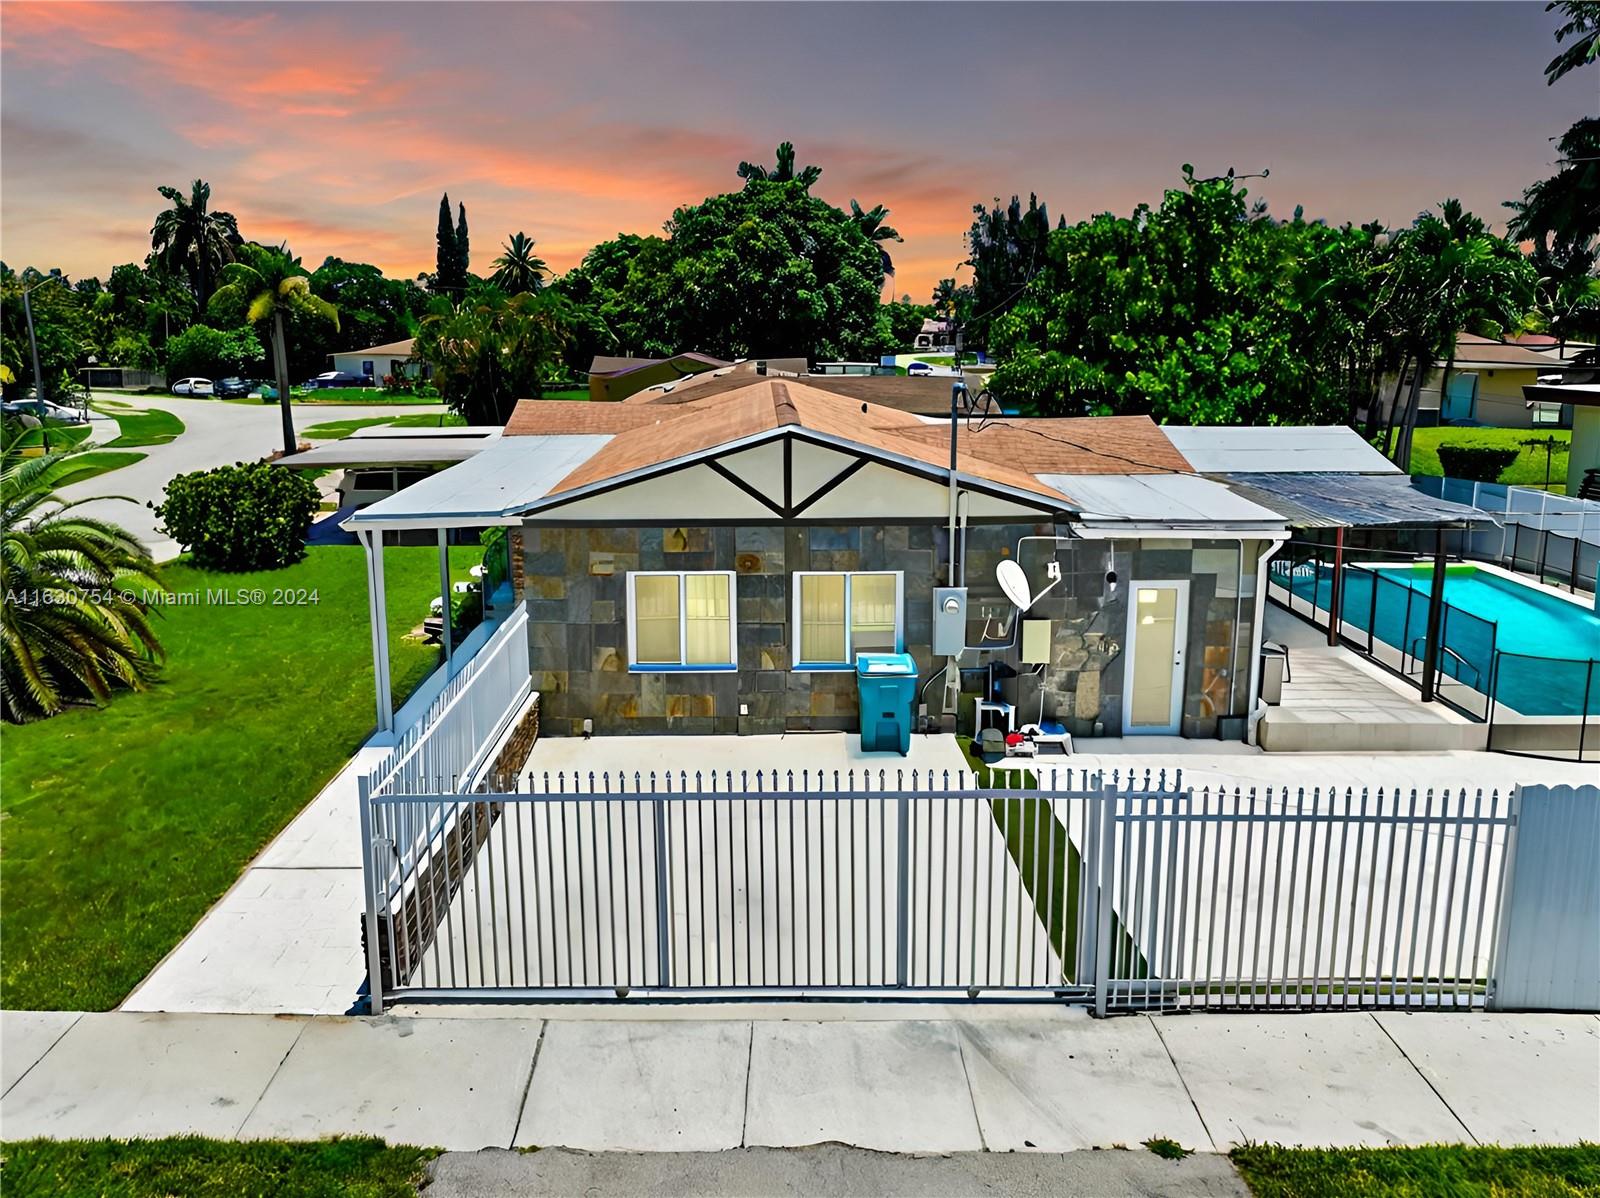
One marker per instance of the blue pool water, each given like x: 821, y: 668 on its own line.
x: 1545, y: 645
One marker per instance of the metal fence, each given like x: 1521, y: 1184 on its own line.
x: 446, y: 747
x: 1554, y: 537
x: 1124, y: 893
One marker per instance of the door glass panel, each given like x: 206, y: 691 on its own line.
x: 1155, y: 644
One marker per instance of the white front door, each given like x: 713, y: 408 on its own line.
x: 1158, y: 634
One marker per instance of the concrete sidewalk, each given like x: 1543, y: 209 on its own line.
x: 925, y: 1079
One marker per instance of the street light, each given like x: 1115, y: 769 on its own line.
x: 33, y: 348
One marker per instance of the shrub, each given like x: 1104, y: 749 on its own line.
x: 1475, y: 463
x: 253, y: 516
x: 213, y: 353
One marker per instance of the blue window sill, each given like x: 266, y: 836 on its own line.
x: 671, y: 669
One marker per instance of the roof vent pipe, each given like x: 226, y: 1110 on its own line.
x: 957, y: 390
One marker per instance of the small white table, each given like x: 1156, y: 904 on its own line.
x: 1005, y: 711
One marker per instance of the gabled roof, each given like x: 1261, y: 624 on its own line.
x: 400, y: 349
x: 1065, y: 445
x: 607, y: 365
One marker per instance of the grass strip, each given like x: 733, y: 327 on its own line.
x: 1438, y: 1171
x: 201, y: 1168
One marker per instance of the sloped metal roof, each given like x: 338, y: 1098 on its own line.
x: 1335, y: 500
x: 1179, y: 500
x: 506, y: 476
x: 1284, y: 449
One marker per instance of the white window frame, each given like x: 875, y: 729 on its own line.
x: 650, y: 667
x: 805, y: 667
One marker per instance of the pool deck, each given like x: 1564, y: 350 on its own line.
x: 1337, y: 702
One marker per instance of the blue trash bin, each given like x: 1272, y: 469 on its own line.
x: 887, y: 686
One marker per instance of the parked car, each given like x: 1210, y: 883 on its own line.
x: 192, y: 387
x: 339, y: 378
x: 234, y: 388
x: 919, y: 368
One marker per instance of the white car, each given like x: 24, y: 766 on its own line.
x: 919, y: 368
x: 192, y: 387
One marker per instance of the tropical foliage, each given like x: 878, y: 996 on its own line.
x: 1006, y: 247
x: 518, y: 268
x: 453, y: 251
x: 271, y: 288
x: 189, y: 238
x: 252, y: 516
x: 783, y: 172
x: 75, y: 618
x: 871, y: 223
x: 1582, y: 27
x: 1206, y: 310
x: 491, y: 350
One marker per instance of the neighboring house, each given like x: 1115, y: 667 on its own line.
x: 935, y: 333
x: 121, y: 378
x: 1487, y: 381
x: 919, y: 395
x: 376, y: 361
x: 613, y: 378
x: 1576, y: 390
x: 714, y: 566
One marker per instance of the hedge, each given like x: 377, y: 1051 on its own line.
x: 252, y: 516
x: 1476, y: 463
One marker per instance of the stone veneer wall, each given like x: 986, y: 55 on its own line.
x: 574, y: 581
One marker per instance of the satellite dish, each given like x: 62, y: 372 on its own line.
x: 1014, y: 583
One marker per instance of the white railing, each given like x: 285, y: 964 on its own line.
x: 443, y: 750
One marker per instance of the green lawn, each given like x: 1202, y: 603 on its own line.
x: 123, y: 824
x: 199, y: 1168
x: 152, y: 427
x: 1435, y: 1172
x: 61, y: 435
x: 99, y: 461
x: 568, y: 393
x: 1527, y: 471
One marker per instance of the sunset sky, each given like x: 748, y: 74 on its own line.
x: 335, y: 127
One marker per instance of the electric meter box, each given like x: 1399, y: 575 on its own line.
x: 949, y: 621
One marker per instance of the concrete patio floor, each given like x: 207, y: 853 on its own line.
x: 1036, y: 1079
x: 286, y: 938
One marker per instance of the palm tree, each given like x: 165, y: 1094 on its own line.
x: 1564, y: 210
x: 274, y: 287
x: 519, y: 269
x: 870, y: 222
x: 73, y: 624
x: 784, y: 172
x: 189, y: 237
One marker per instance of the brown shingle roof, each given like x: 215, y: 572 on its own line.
x: 536, y: 417
x: 1007, y: 453
x: 1065, y: 445
x: 923, y: 396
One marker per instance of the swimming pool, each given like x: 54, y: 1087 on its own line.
x: 1536, y: 649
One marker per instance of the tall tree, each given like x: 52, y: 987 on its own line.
x: 519, y: 269
x: 1583, y: 27
x: 463, y: 247
x: 871, y: 223
x: 74, y: 625
x: 447, y: 259
x: 1006, y: 247
x: 275, y: 290
x: 190, y: 239
x: 783, y: 172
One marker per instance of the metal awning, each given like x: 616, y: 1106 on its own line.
x: 1276, y: 449
x: 506, y: 476
x: 399, y: 451
x: 1167, y: 500
x: 1325, y: 500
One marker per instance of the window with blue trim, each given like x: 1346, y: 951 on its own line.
x: 681, y: 621
x: 838, y: 615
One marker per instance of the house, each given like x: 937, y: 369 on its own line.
x: 919, y: 395
x: 936, y: 333
x: 612, y: 378
x: 1487, y: 381
x: 396, y: 358
x: 1576, y: 390
x: 715, y: 565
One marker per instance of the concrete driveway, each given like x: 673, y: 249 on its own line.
x: 215, y: 434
